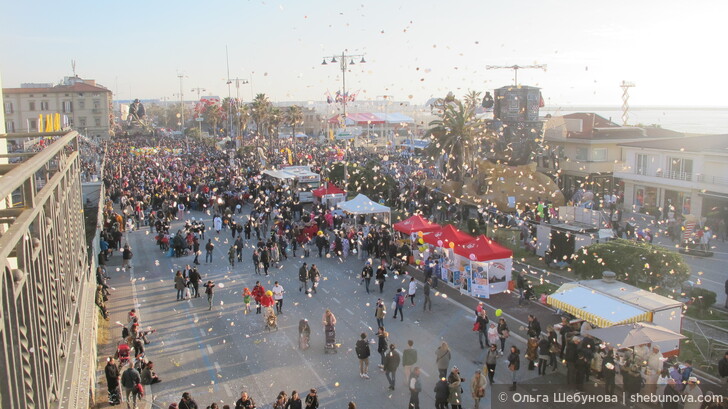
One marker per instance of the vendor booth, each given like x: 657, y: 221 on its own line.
x: 605, y: 303
x: 329, y: 195
x: 484, y: 267
x: 440, y: 244
x: 362, y: 205
x: 575, y: 228
x: 416, y: 224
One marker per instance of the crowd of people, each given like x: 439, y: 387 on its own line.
x: 153, y: 190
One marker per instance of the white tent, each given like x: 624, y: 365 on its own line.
x: 363, y: 205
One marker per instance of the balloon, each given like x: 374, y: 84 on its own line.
x: 439, y: 243
x: 422, y: 249
x: 452, y: 244
x: 421, y: 241
x: 472, y: 256
x: 418, y: 262
x: 498, y: 312
x: 419, y: 234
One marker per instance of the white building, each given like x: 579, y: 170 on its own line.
x: 691, y: 173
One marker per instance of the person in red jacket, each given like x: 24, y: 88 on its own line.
x: 258, y: 293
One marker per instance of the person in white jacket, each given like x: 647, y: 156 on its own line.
x: 412, y: 290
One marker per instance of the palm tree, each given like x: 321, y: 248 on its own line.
x: 473, y: 99
x: 212, y: 114
x: 293, y: 116
x: 243, y: 118
x: 454, y: 135
x: 260, y: 114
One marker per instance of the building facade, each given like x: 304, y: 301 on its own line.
x: 690, y: 174
x: 581, y: 150
x: 86, y: 106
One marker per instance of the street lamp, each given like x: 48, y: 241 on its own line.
x: 344, y: 66
x: 198, y: 90
x: 181, y: 114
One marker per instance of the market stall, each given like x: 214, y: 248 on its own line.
x: 330, y: 195
x: 484, y: 267
x: 416, y: 224
x: 605, y: 303
x: 362, y: 205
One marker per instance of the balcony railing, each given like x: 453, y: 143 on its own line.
x: 673, y: 175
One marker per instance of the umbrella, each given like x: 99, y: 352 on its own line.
x: 630, y: 335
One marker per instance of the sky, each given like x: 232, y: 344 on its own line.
x: 415, y: 49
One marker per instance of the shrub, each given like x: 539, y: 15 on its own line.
x: 701, y: 298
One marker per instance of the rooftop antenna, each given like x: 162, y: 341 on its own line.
x: 625, y: 100
x: 73, y: 67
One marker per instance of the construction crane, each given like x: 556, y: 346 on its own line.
x: 625, y: 100
x: 515, y: 69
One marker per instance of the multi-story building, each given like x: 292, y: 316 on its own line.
x: 690, y: 173
x: 583, y: 148
x: 86, y: 105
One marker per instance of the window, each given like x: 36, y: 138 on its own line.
x: 640, y: 164
x: 82, y: 121
x: 97, y: 121
x: 97, y: 104
x: 44, y: 106
x: 33, y: 124
x: 10, y: 126
x: 31, y: 106
x: 645, y: 196
x: 67, y: 106
x: 582, y: 154
x: 599, y: 154
x: 8, y: 106
x: 81, y: 104
x: 679, y: 168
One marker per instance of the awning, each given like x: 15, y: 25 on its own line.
x: 483, y: 249
x: 362, y: 205
x: 394, y: 118
x: 331, y: 189
x: 447, y: 235
x: 415, y: 224
x: 596, y: 308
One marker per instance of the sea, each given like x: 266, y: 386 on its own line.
x: 690, y: 120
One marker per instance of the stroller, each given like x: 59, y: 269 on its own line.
x: 304, y: 334
x: 330, y: 335
x: 123, y: 354
x: 271, y: 321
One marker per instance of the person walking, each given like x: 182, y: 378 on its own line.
x: 381, y: 277
x: 544, y: 354
x: 415, y: 386
x: 477, y: 388
x: 258, y: 292
x: 409, y: 358
x: 294, y: 402
x: 412, y: 290
x: 454, y: 383
x: 442, y: 392
x: 195, y: 281
x: 534, y: 327
x: 209, y: 247
x: 129, y: 380
x: 196, y: 251
x: 278, y: 296
x: 210, y: 292
x: 723, y: 366
x: 256, y: 261
x: 113, y: 377
x: 366, y: 275
x: 521, y: 286
x: 245, y: 401
x: 482, y: 324
x: 303, y: 278
x: 314, y: 275
x: 391, y: 363
x: 379, y: 313
x: 180, y: 284
x: 312, y: 400
x: 231, y: 256
x: 442, y: 359
x: 265, y: 259
x: 514, y: 364
x: 491, y: 360
x: 382, y: 345
x: 363, y: 352
x: 187, y: 402
x: 126, y: 256
x: 426, y: 293
x: 398, y: 304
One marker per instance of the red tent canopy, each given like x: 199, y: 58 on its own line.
x: 331, y: 189
x: 483, y: 249
x: 446, y: 235
x: 415, y: 224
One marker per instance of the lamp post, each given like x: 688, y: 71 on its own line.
x: 181, y: 114
x: 238, y: 82
x: 387, y: 99
x: 343, y: 66
x: 198, y: 90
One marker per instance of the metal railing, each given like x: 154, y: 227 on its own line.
x: 47, y: 331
